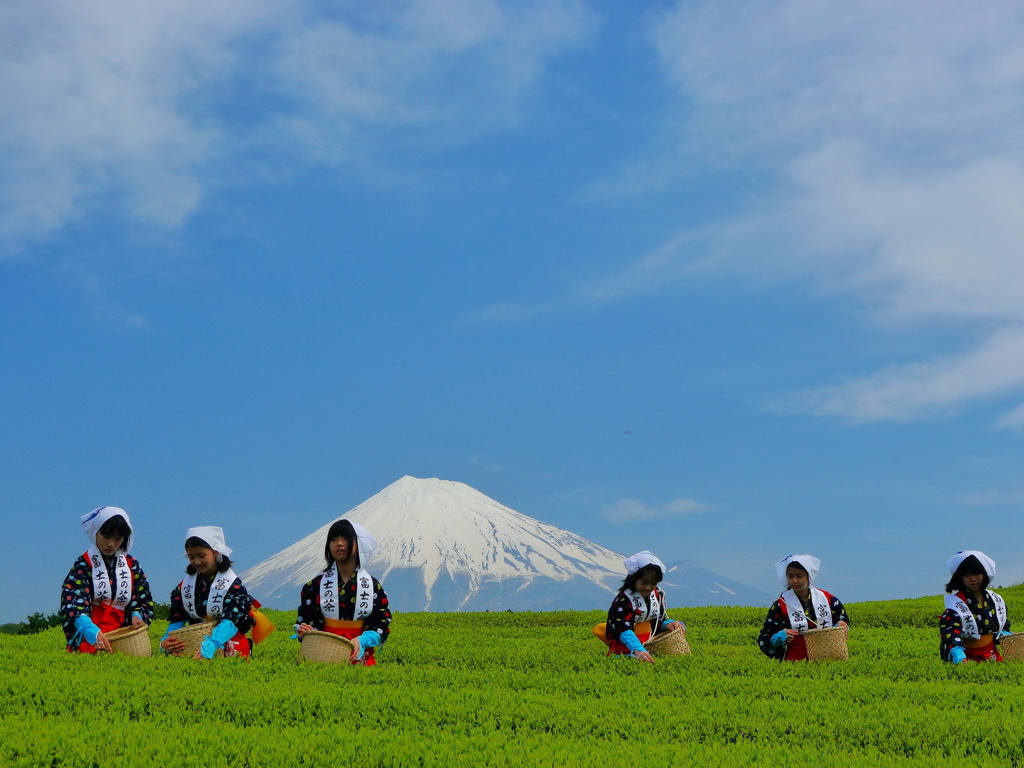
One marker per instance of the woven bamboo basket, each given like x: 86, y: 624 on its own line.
x: 1011, y: 647
x: 193, y: 636
x: 131, y: 641
x: 671, y: 643
x: 325, y: 648
x: 827, y: 644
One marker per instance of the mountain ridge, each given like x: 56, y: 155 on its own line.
x: 444, y: 546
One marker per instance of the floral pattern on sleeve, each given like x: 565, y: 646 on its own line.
x: 951, y: 628
x: 76, y: 595
x: 378, y: 621
x: 778, y: 619
x: 622, y: 617
x: 237, y: 604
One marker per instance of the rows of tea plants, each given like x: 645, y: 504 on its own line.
x: 521, y: 689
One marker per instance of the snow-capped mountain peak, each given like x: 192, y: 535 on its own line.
x: 446, y: 546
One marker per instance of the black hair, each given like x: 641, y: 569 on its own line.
x: 971, y: 565
x: 341, y: 528
x: 117, y: 527
x: 799, y: 565
x: 648, y: 571
x: 195, y: 541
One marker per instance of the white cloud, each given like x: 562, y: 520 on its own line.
x: 132, y: 105
x: 924, y: 389
x: 430, y: 75
x: 631, y: 510
x: 889, y: 148
x: 95, y: 107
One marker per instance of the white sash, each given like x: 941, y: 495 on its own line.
x: 643, y: 612
x: 214, y: 602
x: 958, y: 603
x: 798, y: 620
x: 330, y: 594
x: 102, y: 589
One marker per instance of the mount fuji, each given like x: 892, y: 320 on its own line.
x: 443, y: 546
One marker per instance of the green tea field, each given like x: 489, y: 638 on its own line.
x: 513, y: 689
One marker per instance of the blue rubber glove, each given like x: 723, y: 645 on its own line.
x: 1004, y: 633
x: 87, y: 629
x: 957, y: 655
x: 220, y: 635
x: 673, y: 621
x: 778, y: 640
x: 631, y: 641
x: 369, y: 639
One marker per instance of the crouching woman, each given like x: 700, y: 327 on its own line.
x: 345, y: 599
x: 210, y: 592
x: 975, y: 616
x: 800, y: 608
x: 638, y: 611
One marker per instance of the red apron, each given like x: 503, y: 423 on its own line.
x: 350, y: 630
x: 982, y: 649
x: 796, y: 648
x: 642, y: 630
x: 107, y: 618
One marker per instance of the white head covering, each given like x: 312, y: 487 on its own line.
x: 986, y: 562
x: 212, y: 535
x: 92, y: 523
x: 810, y: 563
x: 640, y: 560
x: 364, y: 541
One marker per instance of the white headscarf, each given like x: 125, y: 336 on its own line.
x: 986, y: 562
x: 640, y: 560
x: 212, y: 535
x: 809, y: 562
x: 364, y: 541
x: 92, y: 522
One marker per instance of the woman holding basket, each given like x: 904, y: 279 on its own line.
x: 800, y: 608
x: 105, y: 588
x: 211, y: 593
x: 975, y: 616
x: 345, y: 599
x: 638, y: 612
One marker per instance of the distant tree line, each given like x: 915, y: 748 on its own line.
x: 37, y: 622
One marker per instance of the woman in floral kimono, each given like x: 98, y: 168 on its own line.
x: 211, y: 592
x: 975, y: 616
x: 800, y: 608
x: 105, y: 588
x: 638, y: 611
x: 345, y: 599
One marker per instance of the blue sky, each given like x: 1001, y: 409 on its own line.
x: 725, y: 281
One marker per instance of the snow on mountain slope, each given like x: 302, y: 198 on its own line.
x: 445, y: 546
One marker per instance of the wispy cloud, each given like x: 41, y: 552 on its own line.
x: 135, y: 106
x: 890, y: 158
x: 631, y: 510
x: 95, y: 108
x: 925, y: 389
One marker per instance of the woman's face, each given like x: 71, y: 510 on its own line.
x: 108, y: 545
x: 797, y: 578
x: 645, y: 584
x: 973, y: 581
x: 203, y: 559
x: 341, y: 550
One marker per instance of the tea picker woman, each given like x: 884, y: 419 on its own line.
x: 105, y: 588
x: 975, y: 616
x: 345, y: 599
x: 211, y: 592
x: 638, y: 611
x: 800, y: 608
